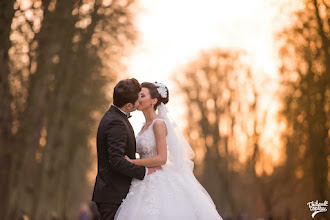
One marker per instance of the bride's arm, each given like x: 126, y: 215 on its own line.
x: 160, y: 131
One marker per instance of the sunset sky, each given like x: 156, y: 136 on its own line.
x: 172, y: 33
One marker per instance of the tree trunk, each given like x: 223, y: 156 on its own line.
x: 6, y: 136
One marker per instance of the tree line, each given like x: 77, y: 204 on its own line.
x: 223, y: 112
x: 58, y: 61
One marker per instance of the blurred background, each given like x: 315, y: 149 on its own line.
x: 249, y: 87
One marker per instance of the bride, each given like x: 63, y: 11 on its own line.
x: 172, y: 192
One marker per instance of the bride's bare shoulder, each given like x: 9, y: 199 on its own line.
x: 160, y: 126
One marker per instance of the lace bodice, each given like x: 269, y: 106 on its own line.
x: 146, y: 142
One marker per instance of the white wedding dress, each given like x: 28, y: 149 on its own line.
x: 167, y: 194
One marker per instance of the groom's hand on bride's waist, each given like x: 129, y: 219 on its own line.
x: 153, y: 169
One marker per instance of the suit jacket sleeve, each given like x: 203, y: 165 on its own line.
x: 117, y: 141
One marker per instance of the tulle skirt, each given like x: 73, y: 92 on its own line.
x: 167, y: 194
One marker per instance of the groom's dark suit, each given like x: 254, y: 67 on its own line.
x: 115, y: 139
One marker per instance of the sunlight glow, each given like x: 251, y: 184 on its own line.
x: 172, y: 33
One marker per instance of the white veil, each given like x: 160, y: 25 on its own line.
x: 180, y: 154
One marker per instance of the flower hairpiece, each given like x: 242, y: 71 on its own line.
x: 161, y: 88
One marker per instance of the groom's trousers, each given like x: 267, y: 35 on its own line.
x: 107, y: 210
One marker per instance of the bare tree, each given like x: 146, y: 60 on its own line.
x: 305, y: 90
x: 216, y: 88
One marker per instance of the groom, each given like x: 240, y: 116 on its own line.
x: 115, y: 139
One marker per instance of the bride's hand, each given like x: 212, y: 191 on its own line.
x: 127, y: 158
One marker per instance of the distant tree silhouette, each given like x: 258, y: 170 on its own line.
x: 221, y: 101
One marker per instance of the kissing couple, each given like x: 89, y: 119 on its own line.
x: 161, y: 184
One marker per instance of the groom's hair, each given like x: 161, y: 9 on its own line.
x: 126, y: 91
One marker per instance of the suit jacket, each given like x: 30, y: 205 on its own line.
x: 115, y: 139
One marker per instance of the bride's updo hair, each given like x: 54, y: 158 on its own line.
x: 154, y: 93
